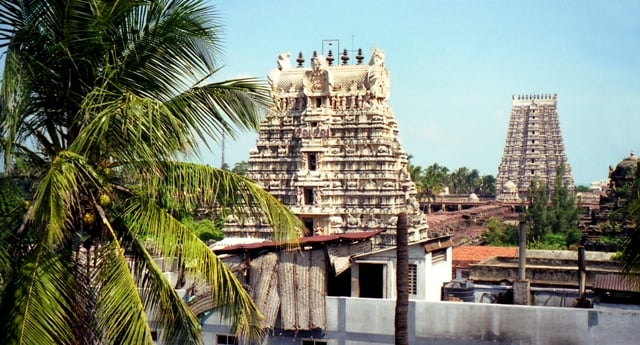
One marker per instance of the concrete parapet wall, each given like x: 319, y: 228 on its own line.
x: 363, y: 321
x: 371, y: 322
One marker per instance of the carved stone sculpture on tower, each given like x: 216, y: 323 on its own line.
x: 336, y: 156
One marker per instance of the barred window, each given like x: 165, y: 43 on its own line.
x: 413, y: 279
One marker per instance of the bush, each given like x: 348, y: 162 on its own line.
x: 207, y: 231
x: 500, y: 234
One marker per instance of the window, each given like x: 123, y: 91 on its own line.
x: 308, y: 224
x: 226, y: 339
x: 413, y: 279
x: 438, y: 256
x: 308, y: 196
x: 312, y: 161
x: 371, y: 280
x: 313, y: 342
x: 532, y: 172
x: 318, y: 102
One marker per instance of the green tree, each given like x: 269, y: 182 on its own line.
x: 564, y: 214
x: 537, y: 211
x: 99, y: 100
x: 205, y: 229
x: 458, y: 181
x: 552, y: 218
x: 631, y: 247
x: 582, y: 189
x: 487, y: 185
x: 241, y: 168
x: 500, y: 234
x: 434, y: 180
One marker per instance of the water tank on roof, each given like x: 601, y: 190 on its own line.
x: 458, y: 290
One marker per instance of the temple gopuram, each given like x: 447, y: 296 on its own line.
x: 329, y: 149
x: 533, y: 149
x: 610, y: 223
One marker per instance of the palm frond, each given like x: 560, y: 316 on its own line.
x: 119, y: 312
x: 222, y: 107
x: 132, y: 128
x: 173, y: 43
x: 57, y: 197
x: 169, y: 236
x: 162, y: 302
x: 12, y: 108
x: 35, y: 304
x: 191, y: 185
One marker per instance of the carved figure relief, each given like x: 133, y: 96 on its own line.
x: 300, y: 196
x: 318, y: 80
x: 283, y: 64
x: 378, y: 75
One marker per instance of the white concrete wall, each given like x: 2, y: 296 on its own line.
x: 359, y: 321
x: 436, y: 274
x: 430, y: 276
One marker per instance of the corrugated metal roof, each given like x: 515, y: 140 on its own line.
x: 442, y: 240
x: 355, y: 236
x: 232, y: 241
x: 617, y: 282
x: 438, y: 244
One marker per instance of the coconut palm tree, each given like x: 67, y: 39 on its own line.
x: 99, y: 102
x: 402, y: 282
x: 434, y: 181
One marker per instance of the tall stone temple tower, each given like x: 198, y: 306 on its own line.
x: 329, y: 148
x: 533, y: 149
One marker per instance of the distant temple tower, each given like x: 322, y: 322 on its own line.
x: 533, y: 149
x: 329, y: 148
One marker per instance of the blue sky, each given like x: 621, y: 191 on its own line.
x: 455, y: 64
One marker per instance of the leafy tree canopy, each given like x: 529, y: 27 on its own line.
x: 435, y: 179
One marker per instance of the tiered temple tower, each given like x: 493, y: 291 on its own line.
x: 533, y: 149
x: 329, y: 148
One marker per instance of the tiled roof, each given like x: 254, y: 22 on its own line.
x: 465, y: 255
x: 617, y: 282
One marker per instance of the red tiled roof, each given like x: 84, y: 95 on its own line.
x: 465, y: 255
x: 355, y: 236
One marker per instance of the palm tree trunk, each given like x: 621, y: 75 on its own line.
x: 402, y: 282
